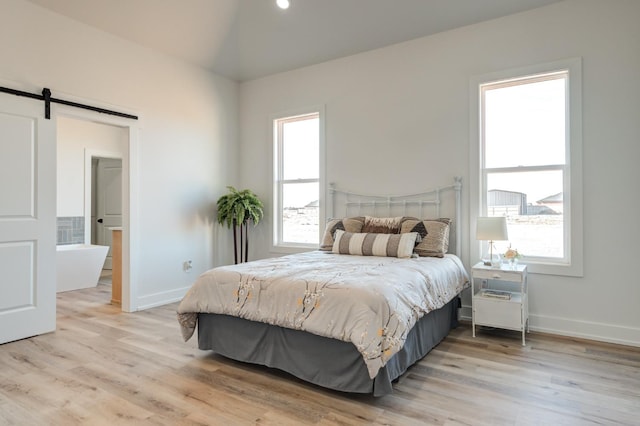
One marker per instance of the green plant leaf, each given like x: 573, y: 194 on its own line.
x: 238, y: 207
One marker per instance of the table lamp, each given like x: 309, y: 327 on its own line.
x: 492, y: 229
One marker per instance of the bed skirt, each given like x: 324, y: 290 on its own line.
x: 323, y: 361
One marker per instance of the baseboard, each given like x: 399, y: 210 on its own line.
x: 610, y: 333
x: 162, y: 298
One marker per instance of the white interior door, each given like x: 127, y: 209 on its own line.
x: 108, y: 202
x: 27, y: 219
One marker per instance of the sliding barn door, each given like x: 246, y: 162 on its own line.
x: 27, y: 219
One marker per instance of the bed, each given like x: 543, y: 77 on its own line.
x: 352, y: 316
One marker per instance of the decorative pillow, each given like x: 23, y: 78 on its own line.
x: 367, y: 244
x: 382, y: 225
x: 348, y: 224
x: 434, y: 233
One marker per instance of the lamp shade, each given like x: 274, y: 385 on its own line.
x: 491, y: 229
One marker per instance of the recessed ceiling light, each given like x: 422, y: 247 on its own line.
x: 283, y: 4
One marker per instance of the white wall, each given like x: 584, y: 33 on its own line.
x: 397, y: 120
x: 74, y: 137
x: 187, y: 141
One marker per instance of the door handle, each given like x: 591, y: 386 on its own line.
x: 100, y: 220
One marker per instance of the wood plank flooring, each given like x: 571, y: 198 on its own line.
x: 104, y: 367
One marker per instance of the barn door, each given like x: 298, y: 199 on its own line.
x: 27, y: 219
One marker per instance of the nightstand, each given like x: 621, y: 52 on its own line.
x: 506, y: 307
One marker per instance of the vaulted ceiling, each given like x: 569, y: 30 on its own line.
x: 248, y: 39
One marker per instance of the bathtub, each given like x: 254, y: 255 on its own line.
x: 79, y: 265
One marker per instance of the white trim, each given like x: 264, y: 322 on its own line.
x: 130, y: 188
x: 322, y: 187
x: 131, y: 223
x: 589, y: 330
x: 162, y: 298
x: 602, y: 332
x: 574, y: 213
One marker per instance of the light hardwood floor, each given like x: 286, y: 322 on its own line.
x: 106, y: 367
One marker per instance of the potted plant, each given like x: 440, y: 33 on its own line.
x: 236, y: 209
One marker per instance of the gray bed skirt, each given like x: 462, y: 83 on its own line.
x: 326, y: 362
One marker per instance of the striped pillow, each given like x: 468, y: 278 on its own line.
x: 348, y: 224
x: 366, y: 244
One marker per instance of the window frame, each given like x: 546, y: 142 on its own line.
x: 572, y: 263
x: 275, y: 123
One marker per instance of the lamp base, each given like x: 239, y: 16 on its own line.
x: 493, y: 260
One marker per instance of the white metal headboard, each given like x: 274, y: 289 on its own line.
x: 422, y: 205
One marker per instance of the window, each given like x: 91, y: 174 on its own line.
x: 529, y: 152
x: 298, y: 185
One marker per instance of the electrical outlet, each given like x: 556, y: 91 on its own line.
x: 187, y: 266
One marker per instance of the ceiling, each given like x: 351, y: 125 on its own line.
x: 248, y: 39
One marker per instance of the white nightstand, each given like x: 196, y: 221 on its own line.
x: 508, y: 308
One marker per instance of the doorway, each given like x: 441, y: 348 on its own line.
x: 85, y: 140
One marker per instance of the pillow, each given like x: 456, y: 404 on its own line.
x: 348, y: 224
x: 434, y: 233
x: 367, y: 244
x: 382, y: 225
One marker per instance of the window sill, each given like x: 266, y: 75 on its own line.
x: 567, y: 270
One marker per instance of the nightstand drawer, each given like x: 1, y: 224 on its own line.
x: 497, y: 274
x: 497, y: 313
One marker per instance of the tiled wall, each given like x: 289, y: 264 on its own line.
x: 70, y: 230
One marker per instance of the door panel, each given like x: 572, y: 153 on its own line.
x: 27, y: 219
x: 16, y: 264
x: 17, y: 179
x: 109, y: 201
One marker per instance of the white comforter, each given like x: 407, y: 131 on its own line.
x: 370, y: 301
